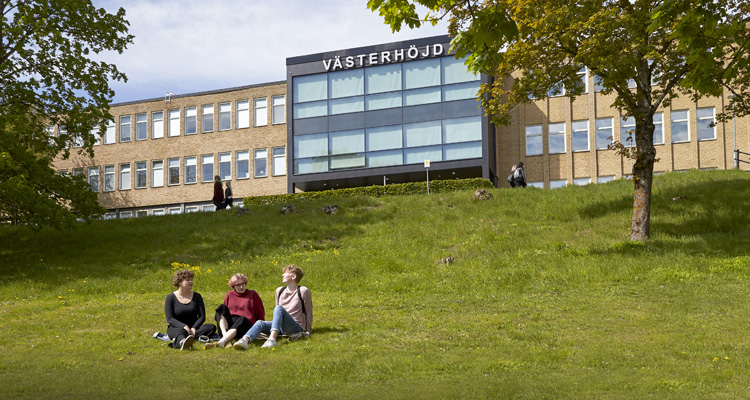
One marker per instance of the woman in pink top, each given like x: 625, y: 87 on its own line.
x: 241, y: 309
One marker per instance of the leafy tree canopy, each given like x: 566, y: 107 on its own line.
x: 646, y: 52
x: 50, y: 77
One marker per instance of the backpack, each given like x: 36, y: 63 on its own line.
x: 517, y: 174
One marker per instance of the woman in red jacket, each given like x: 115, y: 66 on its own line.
x: 241, y: 308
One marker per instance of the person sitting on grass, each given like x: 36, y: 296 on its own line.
x: 241, y: 309
x: 185, y: 312
x: 292, y: 315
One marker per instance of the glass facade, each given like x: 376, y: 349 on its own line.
x: 386, y: 115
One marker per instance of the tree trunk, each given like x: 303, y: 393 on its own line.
x: 643, y: 173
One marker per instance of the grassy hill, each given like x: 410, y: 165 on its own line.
x: 545, y: 299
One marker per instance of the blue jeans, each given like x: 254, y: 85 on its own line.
x: 282, y: 322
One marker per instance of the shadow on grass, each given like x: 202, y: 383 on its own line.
x: 323, y: 330
x: 123, y: 248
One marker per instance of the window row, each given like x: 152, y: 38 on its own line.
x: 185, y: 170
x: 384, y: 86
x: 169, y: 122
x: 604, y: 132
x: 161, y: 211
x: 583, y: 81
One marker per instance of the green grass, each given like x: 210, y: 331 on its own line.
x: 546, y: 299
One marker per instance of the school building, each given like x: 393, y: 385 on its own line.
x: 372, y: 116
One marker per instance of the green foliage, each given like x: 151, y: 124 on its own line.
x: 50, y: 77
x: 546, y: 298
x: 437, y: 186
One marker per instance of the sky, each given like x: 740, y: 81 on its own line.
x: 187, y: 46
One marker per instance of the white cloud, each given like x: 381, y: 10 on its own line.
x: 187, y: 46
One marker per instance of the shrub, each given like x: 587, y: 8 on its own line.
x: 438, y: 186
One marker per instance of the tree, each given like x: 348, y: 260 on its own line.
x: 686, y: 48
x: 49, y: 77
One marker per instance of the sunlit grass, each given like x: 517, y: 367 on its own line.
x: 545, y: 298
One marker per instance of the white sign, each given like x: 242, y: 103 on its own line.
x: 383, y: 57
x: 427, y: 163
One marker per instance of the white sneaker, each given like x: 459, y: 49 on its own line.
x: 269, y: 343
x: 241, y: 344
x: 187, y: 343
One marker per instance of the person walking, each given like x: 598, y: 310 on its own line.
x: 218, y: 198
x: 517, y: 176
x: 228, y: 195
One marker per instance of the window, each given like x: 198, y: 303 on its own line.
x: 124, y: 176
x: 279, y: 107
x: 627, y: 132
x: 141, y: 213
x: 62, y: 172
x: 243, y: 114
x: 209, y: 208
x: 109, y: 178
x: 157, y: 173
x: 191, y: 209
x: 533, y: 140
x: 556, y: 91
x: 680, y: 129
x: 581, y: 181
x: 191, y: 120
x: 173, y: 129
x: 554, y: 184
x: 580, y: 136
x: 261, y: 163
x: 604, y: 133
x: 159, y: 211
x: 141, y: 126
x: 658, y: 128
x: 126, y: 214
x: 141, y: 180
x: 207, y: 168
x: 109, y: 134
x: 225, y: 116
x: 539, y: 185
x: 243, y: 164
x: 261, y: 112
x: 598, y: 86
x: 94, y: 178
x: 173, y: 170
x: 556, y: 138
x: 225, y: 166
x: 95, y: 133
x: 175, y: 211
x: 191, y: 170
x: 77, y: 141
x: 110, y: 216
x: 157, y: 124
x: 207, y: 118
x: 605, y: 179
x: 583, y: 80
x: 279, y: 161
x: 125, y: 128
x: 706, y: 128
x: 77, y: 171
x: 50, y: 130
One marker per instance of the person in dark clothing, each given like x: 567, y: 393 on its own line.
x: 218, y: 198
x: 517, y: 176
x: 185, y: 312
x: 228, y: 195
x: 241, y: 308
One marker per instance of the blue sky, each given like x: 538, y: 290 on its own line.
x: 187, y: 46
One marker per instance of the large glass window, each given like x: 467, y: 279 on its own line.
x: 141, y: 125
x: 173, y: 165
x: 191, y: 120
x: 279, y: 161
x: 261, y: 111
x: 384, y: 138
x: 422, y: 134
x: 243, y: 164
x: 157, y: 124
x: 346, y: 83
x: 580, y: 136
x: 261, y: 163
x: 207, y: 168
x: 125, y: 176
x: 225, y: 116
x: 384, y: 78
x: 191, y: 170
x: 534, y: 140
x: 141, y: 180
x: 604, y: 133
x: 706, y: 128
x: 173, y: 129
x: 109, y: 178
x: 207, y: 118
x: 125, y: 128
x: 556, y: 134
x: 243, y: 114
x: 680, y: 126
x: 157, y: 173
x: 455, y: 71
x: 225, y: 166
x: 658, y: 128
x: 627, y: 132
